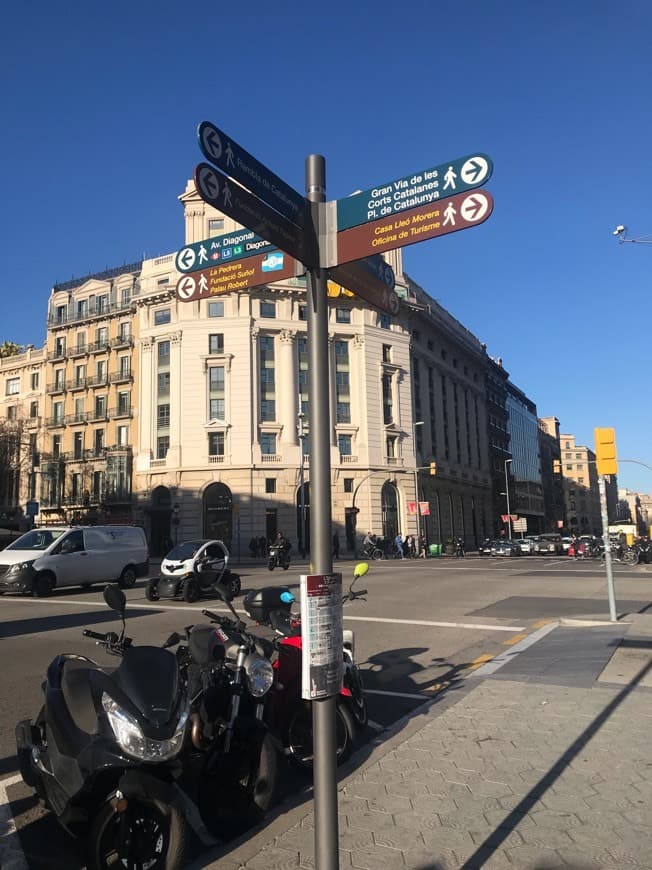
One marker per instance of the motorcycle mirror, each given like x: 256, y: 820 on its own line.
x: 360, y: 569
x: 115, y: 598
x: 173, y: 640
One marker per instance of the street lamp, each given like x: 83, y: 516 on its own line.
x: 416, y: 481
x: 509, y: 516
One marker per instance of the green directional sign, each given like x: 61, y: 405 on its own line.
x: 221, y: 249
x: 412, y: 191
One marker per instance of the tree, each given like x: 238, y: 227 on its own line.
x: 15, y: 463
x: 9, y: 348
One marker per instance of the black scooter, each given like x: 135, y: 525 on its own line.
x: 279, y: 557
x: 103, y: 751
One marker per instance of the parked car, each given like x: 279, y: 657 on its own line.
x: 484, y: 548
x: 506, y: 548
x: 526, y: 545
x: 46, y: 558
x: 566, y: 542
x: 548, y: 545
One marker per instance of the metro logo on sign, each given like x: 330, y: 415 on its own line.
x: 447, y: 216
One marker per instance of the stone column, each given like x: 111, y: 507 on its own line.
x: 145, y: 405
x: 287, y: 386
x: 176, y: 404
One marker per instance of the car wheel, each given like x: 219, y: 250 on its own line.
x: 42, y: 586
x: 191, y: 590
x: 151, y: 591
x: 128, y: 577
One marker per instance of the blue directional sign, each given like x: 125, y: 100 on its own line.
x: 228, y: 197
x: 414, y: 190
x: 221, y: 249
x: 238, y: 164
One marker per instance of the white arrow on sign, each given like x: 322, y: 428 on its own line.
x: 211, y: 141
x: 474, y: 170
x: 186, y: 258
x: 186, y: 287
x: 474, y: 207
x: 208, y: 182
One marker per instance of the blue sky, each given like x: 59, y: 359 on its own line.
x: 99, y: 109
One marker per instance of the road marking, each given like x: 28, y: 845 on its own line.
x: 541, y: 623
x: 180, y: 607
x: 480, y: 661
x: 12, y: 856
x: 516, y: 639
x: 506, y: 656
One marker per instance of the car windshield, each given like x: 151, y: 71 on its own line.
x: 184, y: 551
x: 37, y: 539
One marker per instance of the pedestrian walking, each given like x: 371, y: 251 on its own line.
x: 398, y: 542
x: 422, y: 547
x: 459, y: 548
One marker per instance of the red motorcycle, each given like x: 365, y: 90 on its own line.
x: 288, y: 715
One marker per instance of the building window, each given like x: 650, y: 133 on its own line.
x: 33, y: 409
x: 163, y: 350
x: 348, y: 484
x: 303, y: 312
x: 100, y: 371
x: 343, y: 315
x: 56, y: 446
x: 124, y: 403
x: 80, y: 342
x: 216, y: 443
x: 344, y: 443
x: 387, y: 353
x: 268, y: 443
x: 163, y: 315
x: 78, y: 445
x: 216, y: 309
x: 59, y: 378
x: 100, y: 407
x: 384, y: 321
x: 57, y: 412
x: 215, y: 226
x: 302, y: 359
x: 342, y: 391
x: 98, y: 441
x: 387, y: 399
x: 162, y: 446
x: 163, y: 417
x: 12, y: 387
x: 268, y: 309
x: 267, y: 379
x: 35, y: 380
x: 125, y: 296
x: 125, y: 366
x: 163, y: 381
x: 216, y: 409
x: 162, y: 282
x: 124, y: 331
x: 102, y: 337
x: 80, y: 410
x: 82, y: 308
x: 216, y: 342
x: 12, y: 412
x: 123, y: 436
x: 390, y: 446
x: 270, y: 484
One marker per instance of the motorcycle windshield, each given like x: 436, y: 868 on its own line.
x: 149, y: 676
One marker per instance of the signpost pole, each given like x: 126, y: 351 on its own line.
x: 323, y: 710
x: 613, y: 616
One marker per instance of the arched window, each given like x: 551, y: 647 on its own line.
x: 218, y: 513
x: 389, y: 506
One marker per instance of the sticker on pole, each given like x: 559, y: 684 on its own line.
x: 321, y: 631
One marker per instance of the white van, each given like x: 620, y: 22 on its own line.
x: 46, y: 558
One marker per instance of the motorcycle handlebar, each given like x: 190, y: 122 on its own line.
x: 94, y: 634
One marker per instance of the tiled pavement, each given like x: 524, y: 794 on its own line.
x: 513, y: 773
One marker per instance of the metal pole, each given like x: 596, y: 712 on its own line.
x: 509, y: 515
x: 323, y: 711
x: 416, y: 479
x: 302, y: 494
x: 607, y: 548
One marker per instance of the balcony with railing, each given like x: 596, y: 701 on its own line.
x: 55, y: 422
x: 57, y: 353
x: 270, y: 457
x: 348, y: 459
x: 121, y: 411
x: 77, y: 418
x: 78, y: 350
x: 90, y: 313
x: 77, y: 384
x: 217, y: 458
x: 98, y: 346
x: 97, y: 415
x: 56, y: 387
x: 98, y: 380
x: 32, y: 422
x: 121, y: 341
x: 121, y: 377
x: 94, y: 454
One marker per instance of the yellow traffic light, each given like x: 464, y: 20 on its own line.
x: 556, y: 466
x: 433, y: 468
x: 605, y: 451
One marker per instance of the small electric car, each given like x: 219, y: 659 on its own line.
x: 193, y: 569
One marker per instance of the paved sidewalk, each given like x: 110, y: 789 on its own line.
x: 544, y: 763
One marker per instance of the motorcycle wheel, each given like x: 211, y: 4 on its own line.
x: 239, y: 790
x: 234, y: 584
x: 377, y: 554
x: 191, y: 590
x: 299, y: 737
x: 286, y: 565
x: 151, y: 591
x: 154, y: 839
x: 631, y: 557
x: 271, y: 564
x: 353, y: 681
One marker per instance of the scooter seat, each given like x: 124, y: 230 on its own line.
x: 77, y: 692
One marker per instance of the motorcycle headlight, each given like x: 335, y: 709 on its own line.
x: 260, y: 675
x: 130, y: 735
x: 20, y: 566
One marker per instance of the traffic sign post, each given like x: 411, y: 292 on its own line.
x: 237, y: 275
x: 346, y: 238
x: 426, y: 222
x: 420, y: 188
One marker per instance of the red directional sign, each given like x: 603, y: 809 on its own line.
x: 237, y: 275
x: 416, y: 225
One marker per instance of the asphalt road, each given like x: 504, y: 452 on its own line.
x: 424, y: 626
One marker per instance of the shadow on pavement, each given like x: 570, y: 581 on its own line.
x: 69, y: 620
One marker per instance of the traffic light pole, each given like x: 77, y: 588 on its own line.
x: 602, y: 486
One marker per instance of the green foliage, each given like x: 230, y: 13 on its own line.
x: 9, y: 348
